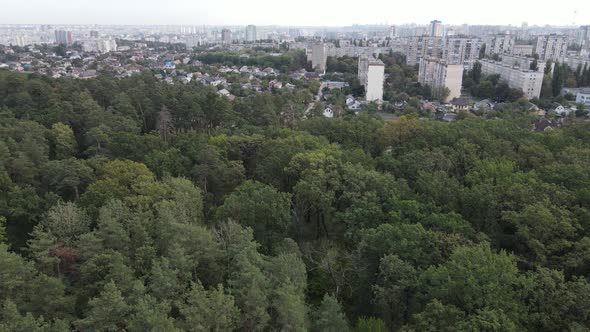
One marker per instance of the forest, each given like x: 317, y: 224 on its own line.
x: 135, y: 205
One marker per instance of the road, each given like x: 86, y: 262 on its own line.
x: 318, y: 97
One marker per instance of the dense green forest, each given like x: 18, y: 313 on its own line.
x: 135, y: 205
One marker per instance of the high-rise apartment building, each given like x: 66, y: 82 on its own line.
x: 392, y: 32
x: 523, y: 50
x: 583, y: 35
x: 294, y: 33
x: 436, y: 28
x: 461, y: 50
x: 371, y: 74
x: 63, y: 37
x: 418, y: 47
x: 99, y: 45
x: 251, y: 33
x: 499, y: 44
x: 517, y: 73
x: 18, y: 40
x: 193, y: 41
x: 551, y: 47
x: 438, y: 74
x: 226, y: 36
x: 319, y: 57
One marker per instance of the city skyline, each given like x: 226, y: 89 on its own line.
x: 305, y: 13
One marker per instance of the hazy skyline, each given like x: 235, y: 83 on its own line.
x: 299, y: 13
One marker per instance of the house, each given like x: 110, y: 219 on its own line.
x: 312, y: 75
x: 218, y: 81
x: 169, y: 65
x: 349, y: 100
x: 91, y: 73
x: 328, y: 113
x: 531, y: 107
x: 356, y: 106
x: 335, y: 85
x: 223, y: 92
x: 227, y: 94
x: 428, y: 106
x: 297, y: 75
x: 274, y: 84
x: 485, y: 103
x: 353, y: 104
x: 461, y: 104
x: 449, y: 117
x: 562, y: 111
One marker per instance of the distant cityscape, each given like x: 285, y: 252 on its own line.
x: 442, y: 53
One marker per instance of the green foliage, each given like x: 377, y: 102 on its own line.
x: 393, y: 289
x: 261, y: 207
x: 370, y: 324
x: 250, y: 288
x: 151, y: 315
x: 475, y: 279
x: 108, y: 312
x: 12, y: 320
x: 2, y: 229
x: 211, y: 310
x: 131, y: 204
x: 329, y: 316
x: 64, y: 140
x: 66, y: 221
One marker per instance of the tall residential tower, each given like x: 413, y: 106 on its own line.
x: 251, y: 33
x: 436, y: 28
x: 371, y: 73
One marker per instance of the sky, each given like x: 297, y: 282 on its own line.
x: 292, y: 13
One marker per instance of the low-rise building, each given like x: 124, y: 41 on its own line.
x: 461, y: 104
x: 583, y: 96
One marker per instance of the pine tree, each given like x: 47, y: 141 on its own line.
x: 250, y: 289
x: 163, y: 280
x: 40, y: 247
x: 288, y: 277
x: 211, y: 310
x: 12, y: 320
x: 329, y: 316
x: 557, y: 80
x: 151, y: 315
x: 108, y: 311
x: 2, y: 229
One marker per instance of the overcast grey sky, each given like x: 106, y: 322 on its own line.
x: 297, y: 12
